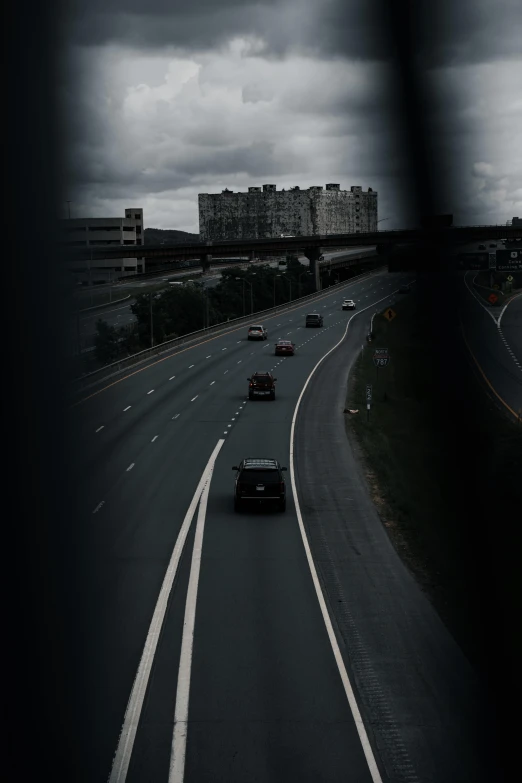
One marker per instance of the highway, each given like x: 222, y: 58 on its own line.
x: 493, y: 337
x: 270, y: 666
x: 120, y: 314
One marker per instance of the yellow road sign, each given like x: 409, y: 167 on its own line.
x: 390, y: 314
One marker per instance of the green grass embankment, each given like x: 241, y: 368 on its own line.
x: 403, y: 450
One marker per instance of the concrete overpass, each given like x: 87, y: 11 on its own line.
x: 310, y: 246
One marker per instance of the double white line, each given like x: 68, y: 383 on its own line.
x: 123, y: 754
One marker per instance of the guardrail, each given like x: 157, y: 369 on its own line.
x: 90, y: 379
x: 105, y: 304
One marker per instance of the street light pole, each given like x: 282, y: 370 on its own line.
x: 151, y: 324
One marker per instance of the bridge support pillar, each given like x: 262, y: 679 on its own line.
x: 313, y: 254
x: 206, y: 262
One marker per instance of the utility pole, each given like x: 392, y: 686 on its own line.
x: 151, y: 324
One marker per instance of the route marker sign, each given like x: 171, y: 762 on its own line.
x: 381, y: 357
x: 368, y: 393
x: 390, y: 314
x: 492, y: 298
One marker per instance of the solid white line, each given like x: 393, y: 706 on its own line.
x: 171, y: 379
x: 176, y: 416
x: 127, y: 408
x: 150, y: 391
x: 132, y: 715
x: 195, y: 398
x: 98, y: 507
x: 179, y: 739
x: 505, y: 307
x: 154, y: 438
x: 212, y: 383
x: 361, y: 729
x: 130, y: 467
x: 100, y: 428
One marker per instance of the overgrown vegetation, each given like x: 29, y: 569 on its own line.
x: 423, y: 492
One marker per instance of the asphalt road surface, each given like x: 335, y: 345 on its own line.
x: 120, y: 314
x: 496, y: 348
x: 261, y: 690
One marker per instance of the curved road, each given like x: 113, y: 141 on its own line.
x: 496, y: 348
x: 266, y: 701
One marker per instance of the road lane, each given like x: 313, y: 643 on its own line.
x: 490, y: 350
x: 127, y: 543
x: 511, y: 326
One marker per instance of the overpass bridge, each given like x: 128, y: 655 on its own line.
x: 309, y: 246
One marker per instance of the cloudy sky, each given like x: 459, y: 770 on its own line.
x: 170, y: 98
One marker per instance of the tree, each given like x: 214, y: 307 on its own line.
x: 106, y: 343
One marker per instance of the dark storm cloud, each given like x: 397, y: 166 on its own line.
x: 445, y: 31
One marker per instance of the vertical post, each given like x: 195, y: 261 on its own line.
x: 151, y: 324
x: 251, y: 299
x: 79, y: 334
x: 243, y: 298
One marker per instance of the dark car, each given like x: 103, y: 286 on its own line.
x: 284, y: 348
x: 259, y: 479
x: 314, y: 319
x: 262, y: 384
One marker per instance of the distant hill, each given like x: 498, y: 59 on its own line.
x: 168, y: 236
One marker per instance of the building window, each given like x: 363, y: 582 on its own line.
x: 137, y: 217
x: 129, y: 228
x: 129, y: 242
x: 129, y: 268
x: 138, y: 229
x: 138, y: 241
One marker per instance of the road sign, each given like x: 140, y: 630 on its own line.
x: 381, y: 357
x: 474, y: 260
x: 509, y: 260
x: 368, y: 393
x: 390, y: 314
x: 492, y: 298
x: 510, y: 278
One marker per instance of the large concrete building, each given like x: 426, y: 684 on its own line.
x: 267, y: 212
x: 101, y: 232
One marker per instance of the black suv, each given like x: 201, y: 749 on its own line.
x: 314, y: 319
x: 262, y: 384
x: 260, y: 479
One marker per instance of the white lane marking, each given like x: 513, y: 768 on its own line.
x: 232, y: 419
x: 361, y: 730
x: 278, y: 324
x: 476, y: 296
x: 176, y: 416
x: 208, y: 357
x: 212, y: 383
x: 225, y: 433
x: 229, y: 425
x: 224, y: 349
x: 123, y: 754
x: 506, y: 306
x: 225, y: 372
x: 239, y: 362
x: 240, y: 407
x: 179, y: 738
x: 171, y: 379
x: 98, y: 507
x: 130, y: 467
x: 154, y: 438
x: 100, y: 428
x: 239, y: 341
x: 150, y: 391
x: 127, y: 408
x: 191, y: 366
x: 195, y: 398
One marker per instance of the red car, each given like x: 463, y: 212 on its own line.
x: 284, y: 348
